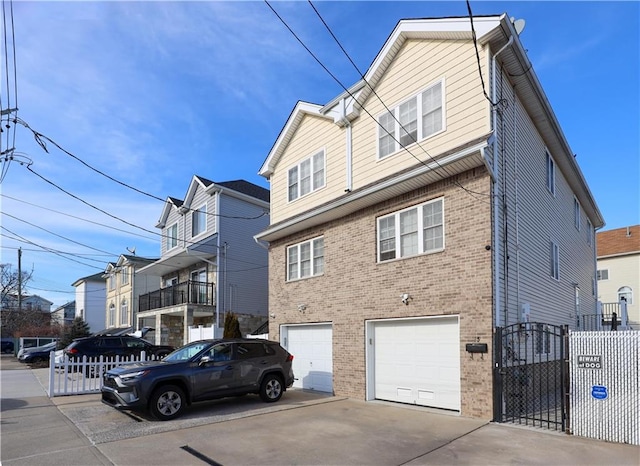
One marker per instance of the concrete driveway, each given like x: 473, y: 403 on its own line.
x: 303, y: 428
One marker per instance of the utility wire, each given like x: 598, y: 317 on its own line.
x: 83, y: 255
x: 26, y: 241
x: 42, y: 140
x: 55, y: 234
x: 47, y: 249
x: 80, y: 218
x: 450, y: 176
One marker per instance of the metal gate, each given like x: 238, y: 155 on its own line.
x: 531, y: 375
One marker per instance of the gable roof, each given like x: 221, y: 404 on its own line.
x: 96, y: 277
x: 240, y: 188
x: 620, y: 241
x: 499, y: 34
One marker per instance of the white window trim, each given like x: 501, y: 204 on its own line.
x: 555, y: 261
x: 112, y: 281
x: 599, y: 275
x: 112, y: 315
x: 168, y: 236
x: 312, y: 257
x: 396, y: 215
x: 589, y: 233
x: 419, y: 137
x: 622, y: 292
x: 124, y: 276
x: 204, y: 216
x: 550, y: 173
x: 124, y: 305
x: 577, y: 211
x: 298, y: 166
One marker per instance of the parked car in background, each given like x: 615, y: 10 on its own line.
x: 38, y: 354
x: 107, y: 345
x: 202, y: 370
x: 7, y: 346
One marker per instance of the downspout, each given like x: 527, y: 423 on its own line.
x: 348, y: 147
x: 496, y: 191
x: 517, y: 199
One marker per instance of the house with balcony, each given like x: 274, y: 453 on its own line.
x: 91, y: 296
x: 210, y: 263
x: 124, y: 287
x: 619, y: 273
x: 428, y: 205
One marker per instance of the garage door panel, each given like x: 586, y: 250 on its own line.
x: 311, y: 346
x: 417, y: 361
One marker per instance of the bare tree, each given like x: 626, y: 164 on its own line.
x: 10, y: 283
x: 13, y: 319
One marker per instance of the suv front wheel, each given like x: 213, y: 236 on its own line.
x: 271, y: 388
x: 167, y: 402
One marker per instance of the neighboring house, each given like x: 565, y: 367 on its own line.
x: 124, y: 287
x: 29, y: 303
x: 388, y: 256
x: 619, y: 269
x: 91, y: 295
x: 210, y: 262
x: 64, y: 314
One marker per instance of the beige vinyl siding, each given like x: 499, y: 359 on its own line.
x: 418, y: 65
x: 623, y: 271
x: 541, y: 218
x: 313, y: 134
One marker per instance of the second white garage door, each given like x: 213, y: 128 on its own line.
x: 417, y: 361
x: 311, y: 346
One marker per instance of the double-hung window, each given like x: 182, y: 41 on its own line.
x: 124, y: 312
x: 602, y: 274
x: 551, y: 174
x: 124, y: 276
x: 307, y: 176
x: 415, y: 119
x: 589, y: 233
x: 412, y: 231
x: 172, y: 236
x: 112, y: 281
x: 576, y: 213
x: 555, y: 261
x: 305, y: 259
x: 199, y: 220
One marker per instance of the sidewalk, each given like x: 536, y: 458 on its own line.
x: 304, y: 429
x: 35, y: 432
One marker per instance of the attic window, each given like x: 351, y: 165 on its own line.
x: 307, y: 176
x: 417, y: 118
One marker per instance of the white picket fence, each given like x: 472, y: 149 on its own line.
x: 83, y: 376
x: 605, y: 385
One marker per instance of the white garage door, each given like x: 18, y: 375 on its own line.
x: 417, y: 361
x: 312, y: 356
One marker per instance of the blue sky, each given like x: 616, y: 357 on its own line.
x: 152, y: 93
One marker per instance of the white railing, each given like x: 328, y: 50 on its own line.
x: 204, y: 333
x: 83, y: 376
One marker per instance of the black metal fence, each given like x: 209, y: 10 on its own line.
x: 189, y: 292
x: 531, y: 376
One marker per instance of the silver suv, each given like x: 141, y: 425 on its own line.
x: 202, y: 370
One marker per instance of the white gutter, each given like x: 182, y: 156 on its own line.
x: 373, y: 189
x: 496, y: 194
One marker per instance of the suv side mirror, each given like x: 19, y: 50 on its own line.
x: 204, y: 360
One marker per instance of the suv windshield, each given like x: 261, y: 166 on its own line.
x: 188, y: 351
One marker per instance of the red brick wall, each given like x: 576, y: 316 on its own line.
x: 355, y: 288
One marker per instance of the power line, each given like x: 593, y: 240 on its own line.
x: 53, y: 251
x: 449, y: 175
x: 55, y: 234
x: 79, y: 254
x: 41, y: 139
x: 79, y: 218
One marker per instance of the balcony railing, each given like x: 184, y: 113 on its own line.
x: 189, y: 292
